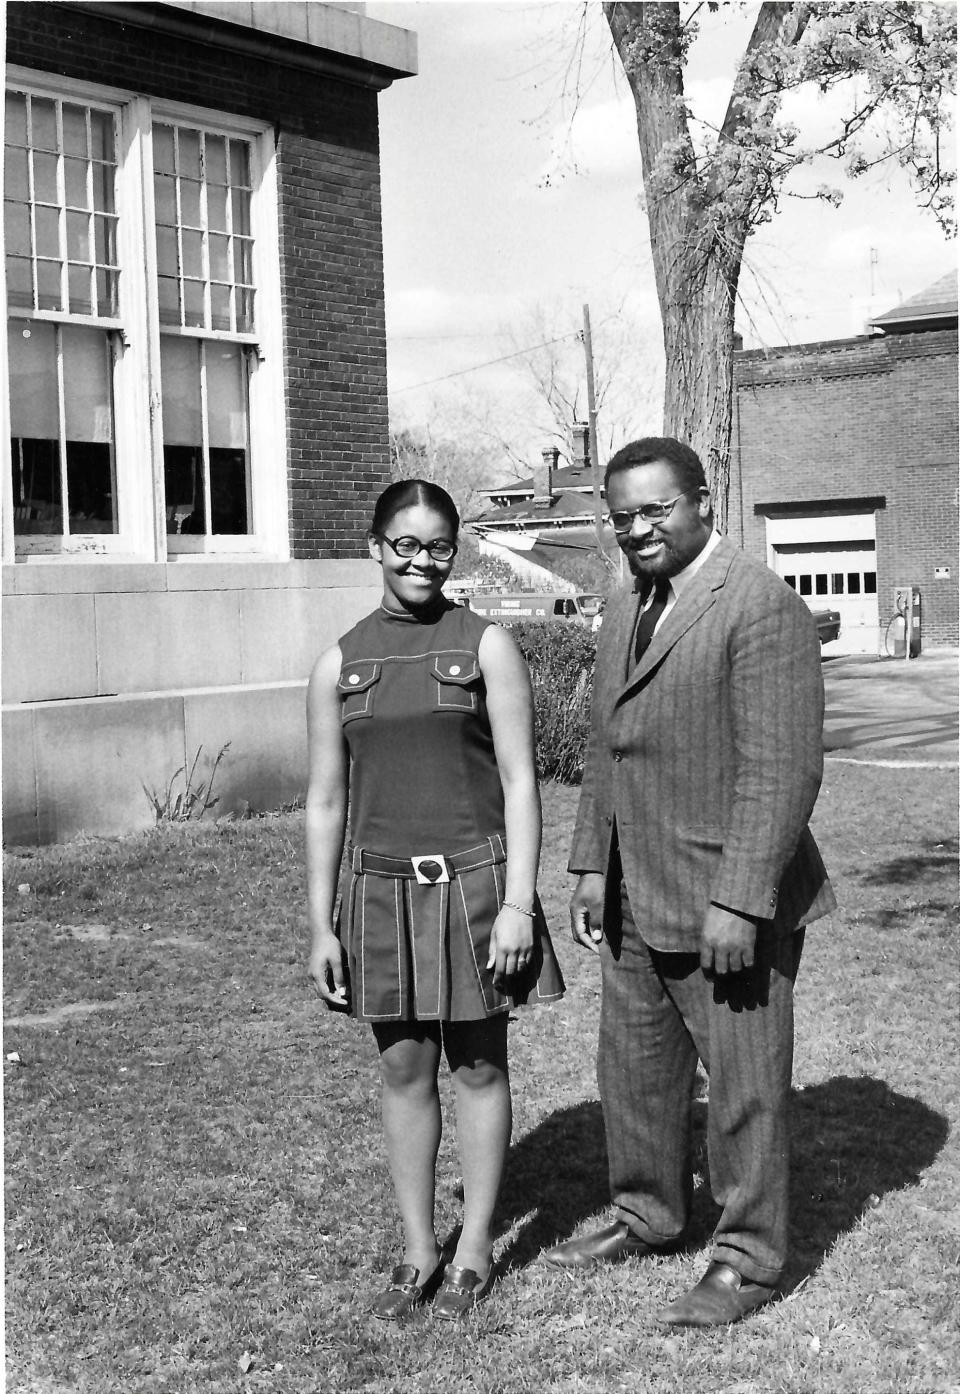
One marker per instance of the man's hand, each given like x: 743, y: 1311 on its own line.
x: 727, y: 941
x: 586, y: 910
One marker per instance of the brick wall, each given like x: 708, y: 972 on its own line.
x: 331, y: 256
x: 858, y: 419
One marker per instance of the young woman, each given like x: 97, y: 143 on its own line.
x: 423, y: 715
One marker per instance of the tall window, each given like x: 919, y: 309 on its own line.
x: 110, y: 312
x: 60, y: 229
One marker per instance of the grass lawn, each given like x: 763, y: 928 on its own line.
x: 195, y: 1192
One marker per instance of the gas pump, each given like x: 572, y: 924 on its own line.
x: 906, y: 622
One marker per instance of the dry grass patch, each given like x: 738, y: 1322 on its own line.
x: 195, y: 1181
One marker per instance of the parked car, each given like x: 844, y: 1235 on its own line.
x: 828, y: 625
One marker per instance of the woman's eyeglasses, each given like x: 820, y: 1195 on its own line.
x: 438, y: 550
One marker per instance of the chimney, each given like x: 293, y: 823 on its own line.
x: 581, y: 445
x: 543, y: 477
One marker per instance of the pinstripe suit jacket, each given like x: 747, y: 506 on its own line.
x: 707, y: 756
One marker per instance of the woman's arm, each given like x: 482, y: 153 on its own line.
x: 328, y: 764
x: 510, y: 708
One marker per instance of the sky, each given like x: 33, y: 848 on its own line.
x: 511, y: 185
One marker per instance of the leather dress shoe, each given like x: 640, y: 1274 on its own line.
x: 722, y: 1296
x: 406, y: 1292
x: 611, y: 1245
x: 460, y: 1292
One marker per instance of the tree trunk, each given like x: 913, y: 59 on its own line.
x: 698, y: 220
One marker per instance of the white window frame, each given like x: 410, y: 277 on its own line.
x: 138, y: 432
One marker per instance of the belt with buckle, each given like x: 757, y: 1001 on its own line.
x: 430, y: 868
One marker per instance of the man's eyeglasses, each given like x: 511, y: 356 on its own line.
x: 621, y: 519
x: 438, y: 550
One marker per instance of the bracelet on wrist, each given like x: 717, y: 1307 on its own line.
x: 519, y: 909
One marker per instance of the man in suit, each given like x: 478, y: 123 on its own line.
x: 697, y: 874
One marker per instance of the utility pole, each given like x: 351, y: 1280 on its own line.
x: 594, y: 442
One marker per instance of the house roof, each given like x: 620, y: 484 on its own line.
x: 570, y: 477
x: 538, y: 510
x: 929, y: 308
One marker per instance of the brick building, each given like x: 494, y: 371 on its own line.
x: 196, y: 365
x: 844, y: 468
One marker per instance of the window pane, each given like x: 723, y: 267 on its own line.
x: 240, y: 201
x: 15, y: 175
x: 75, y: 180
x: 193, y: 254
x: 239, y: 164
x: 853, y: 583
x: 163, y: 149
x: 189, y: 149
x: 791, y: 582
x: 103, y: 199
x: 806, y: 585
x: 168, y: 295
x: 180, y: 385
x: 15, y: 119
x: 88, y: 425
x: 75, y: 130
x: 219, y: 258
x: 16, y: 228
x: 43, y: 115
x: 48, y: 232
x: 45, y: 179
x: 80, y: 279
x: 245, y: 311
x: 102, y: 137
x: 36, y: 486
x: 228, y: 492
x: 108, y: 302
x: 193, y: 304
x: 19, y: 281
x: 168, y: 253
x: 183, y: 488
x: 35, y: 451
x: 78, y: 237
x: 215, y: 160
x: 869, y: 583
x: 821, y: 583
x: 189, y: 204
x: 49, y: 294
x: 220, y: 307
x: 838, y: 583
x: 216, y: 208
x: 32, y: 354
x: 226, y: 395
x: 165, y: 200
x: 105, y: 240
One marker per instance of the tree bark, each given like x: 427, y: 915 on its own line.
x: 698, y: 219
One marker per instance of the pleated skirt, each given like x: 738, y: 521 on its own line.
x: 419, y: 952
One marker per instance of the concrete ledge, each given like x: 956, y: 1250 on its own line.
x: 72, y: 768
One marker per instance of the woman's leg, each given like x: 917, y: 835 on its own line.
x: 477, y: 1055
x: 409, y: 1060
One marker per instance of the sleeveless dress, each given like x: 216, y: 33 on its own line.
x: 427, y: 848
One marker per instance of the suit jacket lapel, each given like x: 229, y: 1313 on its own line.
x: 694, y: 602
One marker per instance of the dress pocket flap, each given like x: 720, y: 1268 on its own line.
x: 460, y: 668
x: 359, y: 675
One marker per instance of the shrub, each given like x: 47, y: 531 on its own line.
x: 561, y: 659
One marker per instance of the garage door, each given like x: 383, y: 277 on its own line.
x: 839, y: 576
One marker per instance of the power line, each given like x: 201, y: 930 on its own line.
x: 574, y: 334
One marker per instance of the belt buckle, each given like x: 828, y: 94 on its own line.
x: 430, y: 869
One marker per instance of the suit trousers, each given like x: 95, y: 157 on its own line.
x: 660, y: 1012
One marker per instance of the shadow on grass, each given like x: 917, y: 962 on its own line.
x: 854, y: 1140
x: 902, y: 871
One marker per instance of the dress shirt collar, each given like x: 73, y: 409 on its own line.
x: 684, y: 577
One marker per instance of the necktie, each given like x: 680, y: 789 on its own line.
x: 650, y: 616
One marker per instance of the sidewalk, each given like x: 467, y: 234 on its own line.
x: 892, y: 710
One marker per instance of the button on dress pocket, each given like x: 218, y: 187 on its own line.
x: 457, y: 680
x: 357, y: 686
